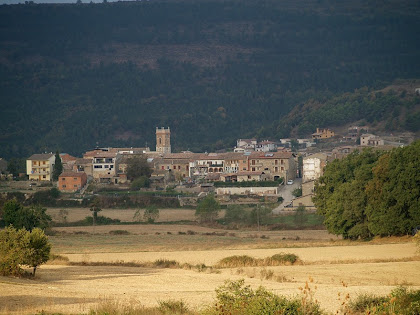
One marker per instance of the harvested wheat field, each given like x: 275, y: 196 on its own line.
x: 332, y: 267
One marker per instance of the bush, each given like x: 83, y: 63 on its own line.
x: 237, y: 261
x: 400, y: 301
x: 247, y: 261
x: 283, y: 258
x: 140, y: 182
x: 165, y: 263
x: 235, y: 298
x: 100, y: 220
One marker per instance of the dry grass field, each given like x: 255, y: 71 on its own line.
x: 337, y: 267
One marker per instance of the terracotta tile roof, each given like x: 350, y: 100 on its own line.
x: 65, y: 157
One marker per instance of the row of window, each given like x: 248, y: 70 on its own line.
x: 75, y: 186
x: 103, y: 166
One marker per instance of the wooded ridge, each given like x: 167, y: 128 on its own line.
x: 74, y: 76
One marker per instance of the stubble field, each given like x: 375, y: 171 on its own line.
x: 336, y: 267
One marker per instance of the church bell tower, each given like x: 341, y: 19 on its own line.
x: 163, y: 140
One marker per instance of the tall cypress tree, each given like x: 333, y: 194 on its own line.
x: 58, y: 166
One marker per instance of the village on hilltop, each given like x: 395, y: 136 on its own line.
x: 284, y: 162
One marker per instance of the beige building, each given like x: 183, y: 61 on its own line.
x: 313, y: 166
x: 40, y: 167
x: 274, y: 164
x: 368, y: 139
x: 322, y: 133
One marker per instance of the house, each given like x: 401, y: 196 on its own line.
x: 343, y: 151
x: 274, y: 164
x: 205, y: 164
x: 266, y: 146
x: 246, y: 144
x: 368, y: 139
x: 40, y: 167
x: 313, y: 166
x: 322, y: 133
x: 104, y: 167
x: 83, y: 165
x: 242, y: 176
x: 71, y: 181
x: 68, y: 161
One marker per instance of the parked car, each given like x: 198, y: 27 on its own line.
x: 290, y: 182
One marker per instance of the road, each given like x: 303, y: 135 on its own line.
x: 286, y: 193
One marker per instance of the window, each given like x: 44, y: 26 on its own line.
x: 63, y: 178
x: 253, y: 162
x: 98, y: 166
x: 174, y: 167
x: 75, y: 186
x: 163, y: 167
x: 281, y: 162
x: 44, y: 176
x: 75, y: 178
x: 282, y: 168
x: 253, y: 169
x: 64, y: 186
x: 276, y: 162
x: 276, y: 169
x: 106, y: 166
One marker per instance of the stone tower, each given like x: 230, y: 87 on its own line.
x: 163, y: 140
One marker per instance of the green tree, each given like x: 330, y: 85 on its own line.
x: 21, y: 247
x: 58, y: 167
x: 236, y: 213
x: 95, y: 208
x: 394, y: 192
x: 140, y: 182
x: 151, y: 214
x: 138, y: 167
x: 38, y: 249
x: 297, y: 192
x: 28, y: 218
x: 259, y: 214
x: 208, y: 209
x: 16, y: 166
x: 340, y: 194
x: 13, y: 244
x: 300, y: 216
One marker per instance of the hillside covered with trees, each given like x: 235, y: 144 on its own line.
x: 74, y: 76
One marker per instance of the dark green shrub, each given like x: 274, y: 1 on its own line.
x: 284, y: 258
x: 165, y: 263
x: 235, y: 298
x: 237, y: 261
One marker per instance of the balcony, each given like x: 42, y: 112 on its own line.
x: 35, y: 172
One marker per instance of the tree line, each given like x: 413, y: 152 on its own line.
x: 371, y: 193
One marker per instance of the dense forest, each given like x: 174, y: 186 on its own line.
x: 74, y: 76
